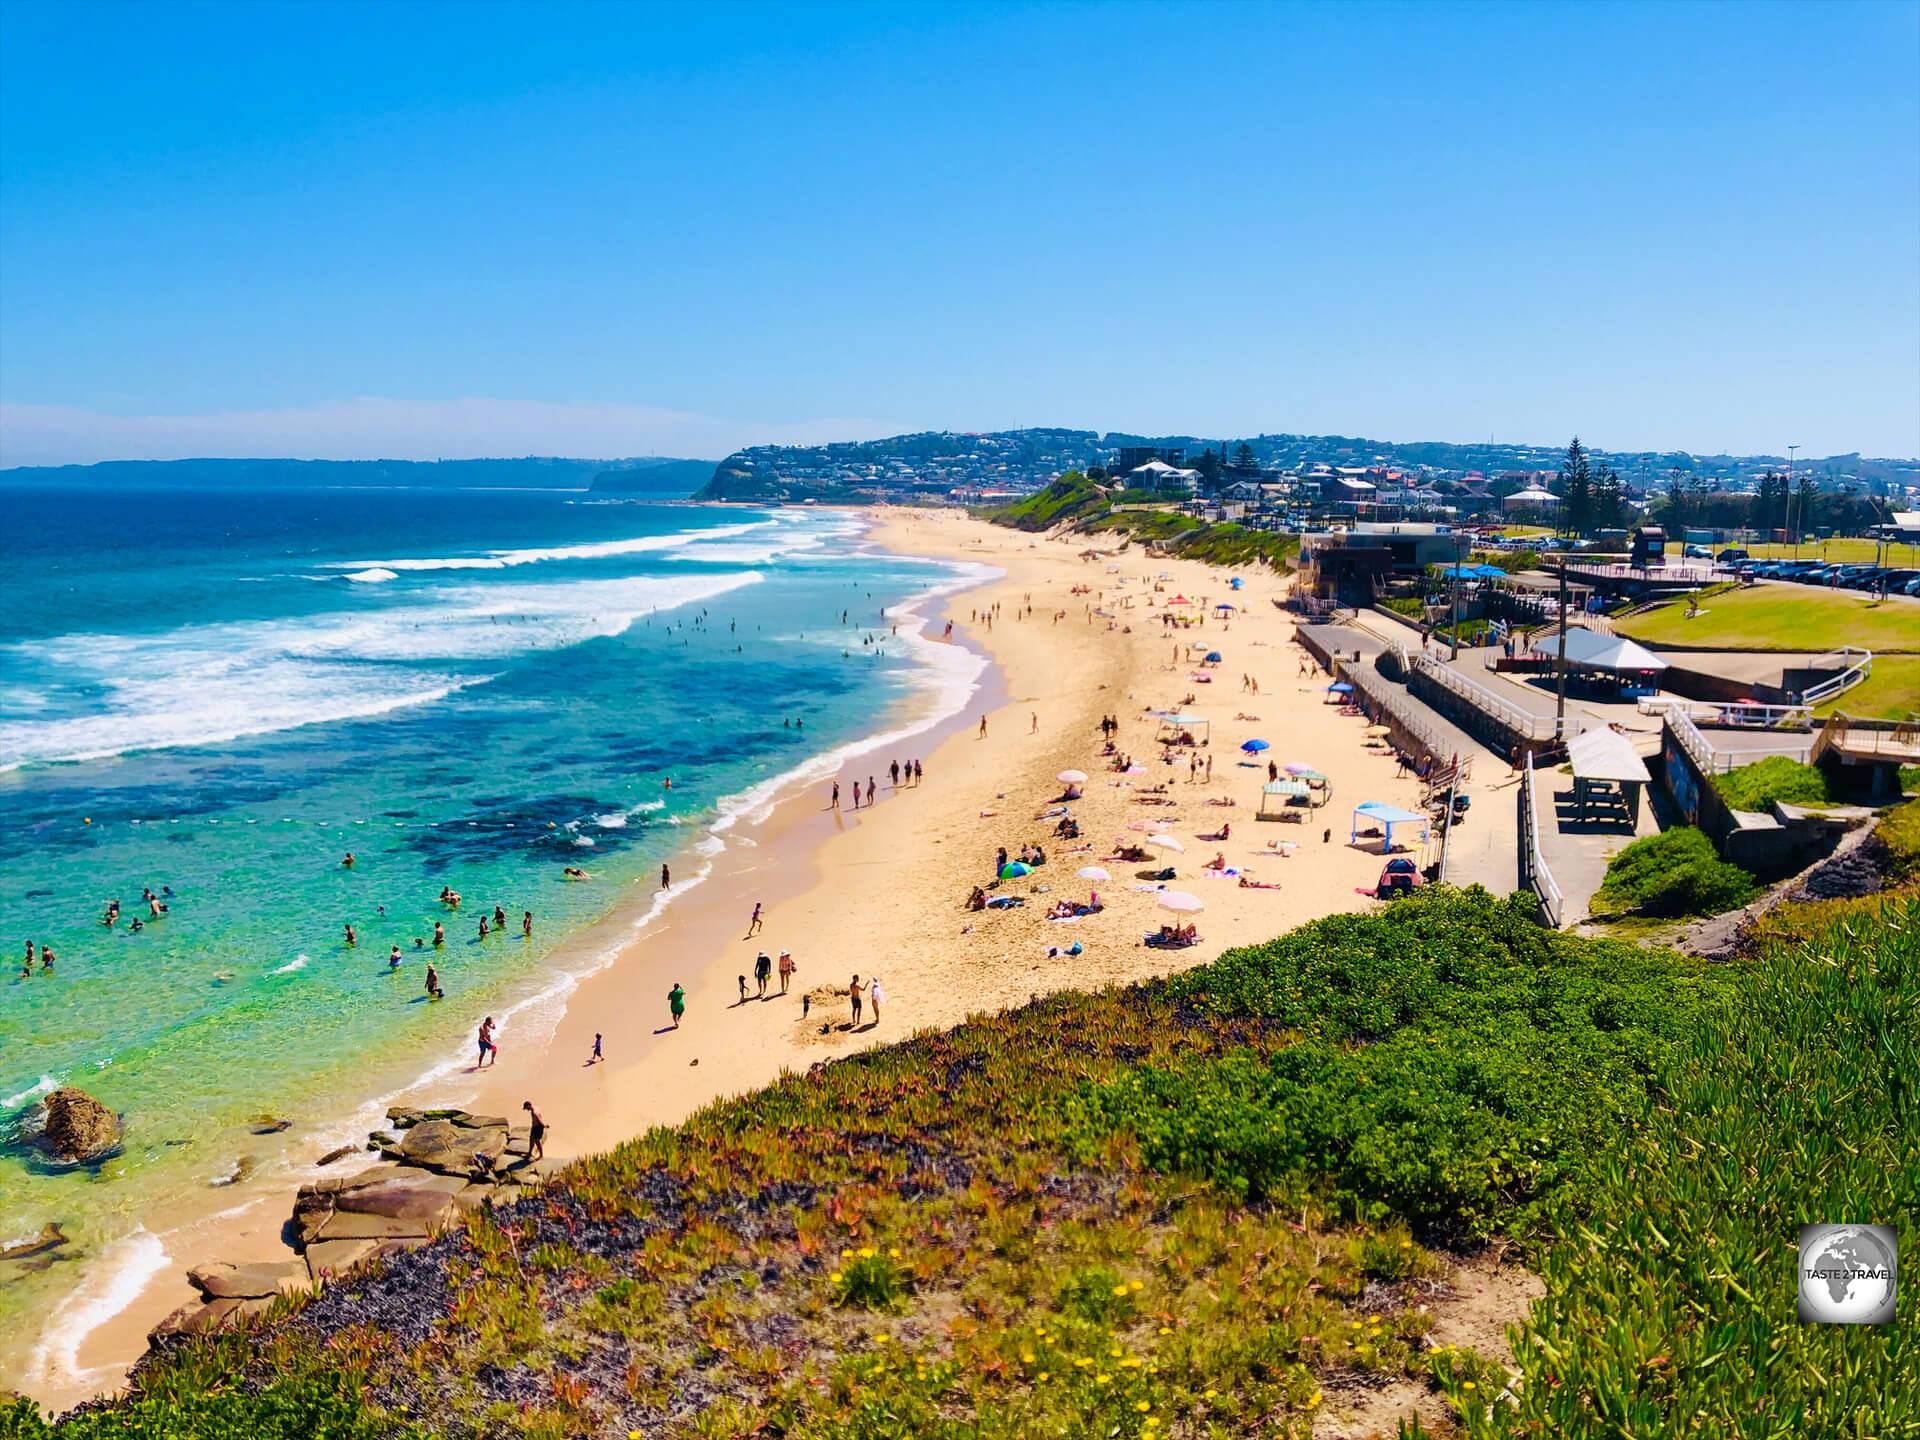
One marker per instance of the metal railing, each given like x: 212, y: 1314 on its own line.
x: 1539, y: 876
x: 1378, y: 691
x: 1714, y: 761
x: 1743, y: 715
x: 1526, y: 723
x: 1856, y: 664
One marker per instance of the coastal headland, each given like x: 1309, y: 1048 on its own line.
x: 1074, y: 637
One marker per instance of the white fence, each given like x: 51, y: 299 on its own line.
x: 1714, y: 761
x: 1855, y: 665
x: 1538, y: 875
x: 1517, y: 718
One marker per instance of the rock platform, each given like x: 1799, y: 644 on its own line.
x: 441, y: 1165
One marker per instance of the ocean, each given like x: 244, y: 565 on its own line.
x: 218, y: 696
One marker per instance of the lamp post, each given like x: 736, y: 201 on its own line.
x: 1458, y: 540
x: 1790, y: 499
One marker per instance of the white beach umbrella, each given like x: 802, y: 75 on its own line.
x: 1179, y: 900
x: 1092, y: 872
x: 1072, y: 777
x: 1165, y: 842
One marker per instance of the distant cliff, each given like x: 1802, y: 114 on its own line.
x: 654, y: 477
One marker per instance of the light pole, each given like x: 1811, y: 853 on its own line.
x: 1458, y: 560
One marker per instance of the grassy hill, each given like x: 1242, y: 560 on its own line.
x: 1784, y: 617
x: 1085, y: 508
x: 1196, y: 1208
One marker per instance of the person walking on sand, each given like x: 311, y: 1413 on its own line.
x: 855, y: 992
x: 1034, y: 728
x: 874, y: 995
x: 834, y: 804
x: 753, y: 925
x: 983, y: 727
x: 596, y: 1057
x: 677, y: 1003
x: 871, y: 787
x: 537, y: 1131
x: 666, y: 876
x: 786, y: 970
x: 488, y: 1049
x: 762, y: 971
x: 893, y: 770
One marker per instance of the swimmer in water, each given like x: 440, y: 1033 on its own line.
x: 348, y: 862
x: 526, y: 925
x: 352, y: 939
x: 499, y: 918
x: 483, y: 927
x: 433, y: 981
x: 439, y: 934
x: 46, y: 957
x: 393, y: 958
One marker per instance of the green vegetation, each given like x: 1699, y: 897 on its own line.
x: 1785, y: 617
x: 1191, y: 1209
x: 1071, y: 497
x: 1411, y: 606
x: 1891, y: 692
x: 1757, y: 786
x: 1846, y: 550
x: 1511, y: 561
x: 1674, y: 873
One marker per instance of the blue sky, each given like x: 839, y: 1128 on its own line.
x: 482, y: 229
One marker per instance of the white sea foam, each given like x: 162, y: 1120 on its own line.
x: 374, y: 576
x: 207, y: 684
x: 45, y: 1085
x: 595, y: 550
x: 123, y: 1272
x: 616, y: 821
x: 299, y: 962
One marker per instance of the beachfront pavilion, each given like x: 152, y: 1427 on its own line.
x: 1386, y: 817
x: 1608, y: 774
x: 1609, y: 658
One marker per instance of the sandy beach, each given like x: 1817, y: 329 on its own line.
x: 882, y: 891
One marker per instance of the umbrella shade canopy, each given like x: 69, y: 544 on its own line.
x: 1214, y: 656
x: 1298, y: 767
x: 1254, y: 747
x: 1341, y: 687
x: 1092, y: 872
x: 1165, y: 842
x: 1284, y: 787
x: 1179, y: 900
x: 1072, y: 777
x: 1014, y: 869
x: 1599, y: 652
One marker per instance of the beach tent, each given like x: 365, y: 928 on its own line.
x: 1223, y: 607
x: 1173, y: 725
x: 1386, y: 817
x: 1276, y: 795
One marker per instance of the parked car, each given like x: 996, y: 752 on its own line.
x: 1730, y: 555
x: 1696, y: 552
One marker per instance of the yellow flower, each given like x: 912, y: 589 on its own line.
x: 846, y: 1254
x: 1116, y: 1352
x: 1313, y: 1400
x: 1130, y: 1363
x: 1136, y: 1285
x: 1166, y: 1329
x: 834, y: 1276
x: 1026, y: 1357
x: 1103, y: 1379
x: 1119, y: 1289
x: 1144, y: 1406
x: 894, y: 1253
x: 1082, y: 1364
x: 1044, y: 1375
x: 1211, y: 1394
x: 1469, y: 1385
x: 1406, y: 1244
x: 867, y: 1252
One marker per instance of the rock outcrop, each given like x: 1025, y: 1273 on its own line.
x: 444, y: 1163
x: 74, y: 1127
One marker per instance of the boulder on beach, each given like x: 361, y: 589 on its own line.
x: 73, y: 1126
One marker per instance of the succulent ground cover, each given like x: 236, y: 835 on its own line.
x: 1196, y: 1209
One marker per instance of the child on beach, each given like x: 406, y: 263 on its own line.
x: 753, y: 925
x: 595, y: 1058
x: 743, y: 989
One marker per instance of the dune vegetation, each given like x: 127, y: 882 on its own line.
x: 1197, y: 1208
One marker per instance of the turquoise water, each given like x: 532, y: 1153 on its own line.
x: 223, y: 695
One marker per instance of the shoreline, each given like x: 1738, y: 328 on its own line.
x: 882, y: 891
x: 96, y: 1332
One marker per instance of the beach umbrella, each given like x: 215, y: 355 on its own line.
x: 1341, y: 687
x: 1092, y: 872
x: 1213, y: 656
x: 1014, y: 869
x: 1179, y: 900
x: 1297, y: 767
x: 1072, y: 777
x: 1254, y: 747
x: 1379, y: 730
x: 1165, y: 842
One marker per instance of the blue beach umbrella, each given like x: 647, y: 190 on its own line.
x: 1254, y: 747
x: 1213, y: 656
x: 1014, y: 869
x: 1341, y: 687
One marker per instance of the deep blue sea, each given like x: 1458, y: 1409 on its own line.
x: 216, y: 696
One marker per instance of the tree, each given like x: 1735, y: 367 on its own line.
x: 1208, y: 464
x: 1770, y: 502
x: 1576, y: 489
x: 1244, y: 460
x: 1677, y: 505
x: 1609, y: 499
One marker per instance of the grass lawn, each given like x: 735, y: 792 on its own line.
x: 1785, y: 617
x: 1848, y: 550
x: 1892, y: 692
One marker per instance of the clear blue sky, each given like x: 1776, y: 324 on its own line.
x: 468, y: 229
